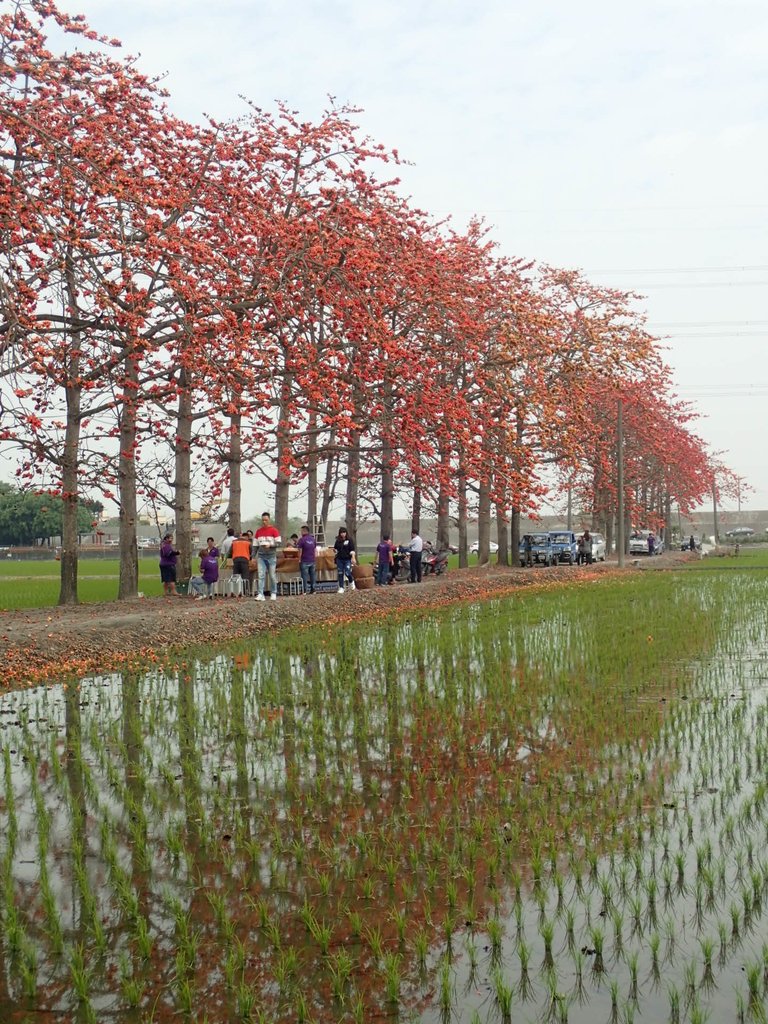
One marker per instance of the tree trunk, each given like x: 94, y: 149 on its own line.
x: 443, y: 503
x: 484, y: 522
x: 70, y: 457
x: 463, y: 542
x: 128, y: 583
x: 283, y: 477
x: 667, y: 521
x: 353, y: 485
x: 514, y: 535
x: 329, y: 485
x: 502, y: 536
x: 312, y: 433
x: 387, y: 487
x: 235, y: 466
x: 416, y: 513
x: 182, y: 497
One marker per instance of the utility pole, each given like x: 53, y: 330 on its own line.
x: 714, y: 509
x: 620, y: 480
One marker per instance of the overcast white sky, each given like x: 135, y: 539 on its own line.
x: 628, y: 140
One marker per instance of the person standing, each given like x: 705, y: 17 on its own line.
x: 225, y: 554
x: 580, y: 550
x: 241, y: 556
x: 416, y: 547
x: 168, y: 558
x: 226, y: 544
x: 587, y: 540
x: 651, y: 543
x: 528, y: 550
x: 344, y: 547
x: 692, y: 543
x: 267, y: 538
x: 385, y: 560
x: 307, y: 546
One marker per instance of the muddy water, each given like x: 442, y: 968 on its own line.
x: 556, y: 803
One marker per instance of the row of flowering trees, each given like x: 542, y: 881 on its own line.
x: 182, y: 304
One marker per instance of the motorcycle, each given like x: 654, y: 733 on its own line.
x: 399, y: 571
x: 433, y: 563
x: 401, y: 566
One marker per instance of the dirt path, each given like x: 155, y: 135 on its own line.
x: 50, y: 643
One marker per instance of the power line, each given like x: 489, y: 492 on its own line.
x: 729, y: 393
x: 712, y: 334
x: 707, y: 323
x: 702, y: 284
x: 679, y: 270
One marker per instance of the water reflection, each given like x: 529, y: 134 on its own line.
x: 233, y: 827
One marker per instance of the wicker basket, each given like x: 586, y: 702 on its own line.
x: 364, y: 583
x: 362, y: 572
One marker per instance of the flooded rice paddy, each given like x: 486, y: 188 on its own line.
x: 549, y: 807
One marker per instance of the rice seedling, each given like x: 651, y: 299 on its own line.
x: 284, y: 968
x: 547, y: 932
x: 392, y: 975
x: 80, y: 974
x: 132, y: 988
x: 673, y: 996
x: 27, y: 968
x: 375, y: 940
x: 503, y: 994
x: 633, y: 960
x: 340, y: 965
x: 495, y: 931
x: 301, y: 1007
x: 247, y: 1003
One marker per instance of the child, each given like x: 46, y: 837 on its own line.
x: 209, y: 568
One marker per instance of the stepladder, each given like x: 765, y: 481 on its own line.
x: 318, y: 531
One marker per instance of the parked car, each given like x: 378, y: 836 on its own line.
x: 476, y: 547
x: 740, y: 532
x: 598, y: 547
x: 638, y: 543
x: 564, y: 546
x: 542, y: 551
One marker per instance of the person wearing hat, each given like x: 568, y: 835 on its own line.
x: 168, y: 558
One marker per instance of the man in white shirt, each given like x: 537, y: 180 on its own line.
x: 416, y: 548
x: 225, y: 555
x: 226, y: 545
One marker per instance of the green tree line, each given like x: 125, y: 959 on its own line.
x: 31, y: 517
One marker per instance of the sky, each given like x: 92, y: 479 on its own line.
x: 630, y: 142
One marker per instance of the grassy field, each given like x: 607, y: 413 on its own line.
x: 749, y: 558
x: 35, y: 584
x: 87, y: 567
x: 31, y: 584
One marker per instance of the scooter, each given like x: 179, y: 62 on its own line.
x: 433, y: 562
x: 399, y: 571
